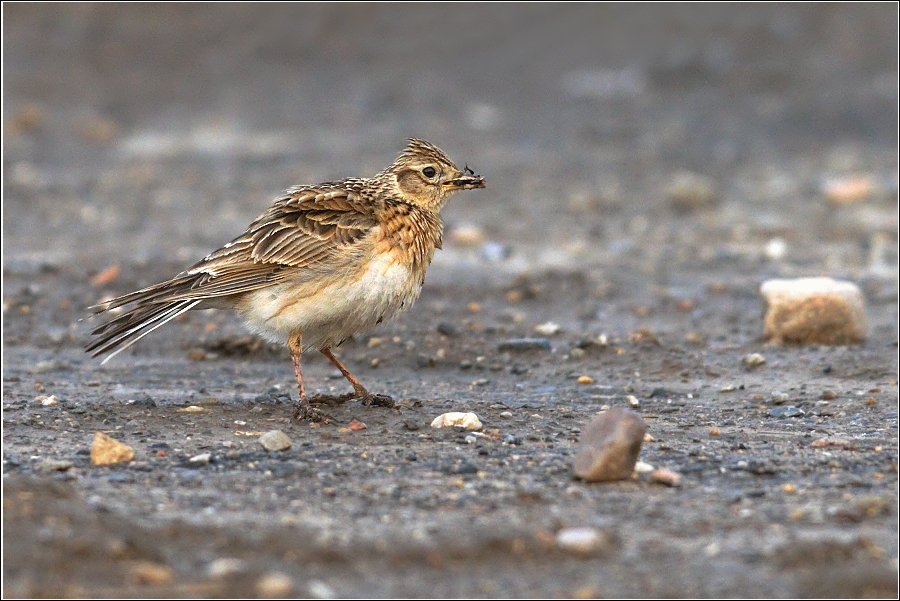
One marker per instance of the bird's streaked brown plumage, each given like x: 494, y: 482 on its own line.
x: 321, y: 264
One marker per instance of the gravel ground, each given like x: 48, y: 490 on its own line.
x: 647, y: 167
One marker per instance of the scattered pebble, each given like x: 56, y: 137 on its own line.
x: 356, y: 425
x: 583, y: 541
x: 55, y: 465
x: 201, y: 458
x: 609, y: 446
x: 585, y: 380
x: 632, y: 401
x: 225, y: 566
x: 191, y: 409
x: 779, y: 397
x: 813, y: 311
x: 469, y: 421
x: 753, y: 360
x: 447, y: 329
x: 834, y: 442
x: 149, y: 573
x: 196, y: 354
x: 666, y: 476
x: 47, y: 401
x: 275, y: 440
x: 547, y: 329
x: 523, y: 345
x: 49, y: 365
x: 829, y: 395
x: 715, y: 432
x: 648, y: 438
x: 106, y: 451
x: 577, y: 353
x: 689, y: 191
x: 848, y: 189
x: 274, y: 585
x: 787, y: 411
x: 775, y: 249
x: 505, y: 414
x: 642, y: 467
x: 468, y: 235
x: 319, y: 590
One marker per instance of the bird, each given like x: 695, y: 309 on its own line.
x: 323, y: 263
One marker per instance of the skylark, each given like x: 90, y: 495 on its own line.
x: 323, y: 263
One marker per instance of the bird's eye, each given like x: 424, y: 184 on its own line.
x: 429, y: 172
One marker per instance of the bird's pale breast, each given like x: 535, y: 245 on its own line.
x: 345, y: 305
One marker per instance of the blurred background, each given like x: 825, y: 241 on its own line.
x: 749, y: 138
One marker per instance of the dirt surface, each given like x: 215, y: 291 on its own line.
x: 139, y: 138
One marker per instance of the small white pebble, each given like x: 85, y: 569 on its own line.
x: 775, y: 249
x: 202, y: 458
x: 547, y: 329
x: 468, y: 235
x: 780, y: 397
x: 224, y: 566
x: 469, y: 421
x: 632, y: 401
x: 580, y: 541
x: 319, y: 590
x: 642, y: 467
x: 274, y: 584
x: 506, y: 414
x: 753, y: 360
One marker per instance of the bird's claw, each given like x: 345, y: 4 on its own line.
x: 303, y: 411
x: 381, y: 400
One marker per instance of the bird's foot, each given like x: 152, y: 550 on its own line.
x: 381, y: 400
x: 303, y: 410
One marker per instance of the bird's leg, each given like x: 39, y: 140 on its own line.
x: 357, y: 387
x: 302, y: 408
x: 360, y: 390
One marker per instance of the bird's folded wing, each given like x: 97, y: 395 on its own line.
x: 302, y: 234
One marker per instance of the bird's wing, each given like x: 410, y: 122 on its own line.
x: 305, y: 232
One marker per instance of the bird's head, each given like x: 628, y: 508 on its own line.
x: 424, y: 176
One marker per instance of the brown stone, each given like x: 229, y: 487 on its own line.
x: 666, y: 476
x: 813, y: 311
x: 609, y: 446
x: 106, y: 451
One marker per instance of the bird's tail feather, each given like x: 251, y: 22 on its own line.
x: 158, y: 293
x: 134, y: 324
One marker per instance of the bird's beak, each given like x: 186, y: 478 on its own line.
x: 466, y: 182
